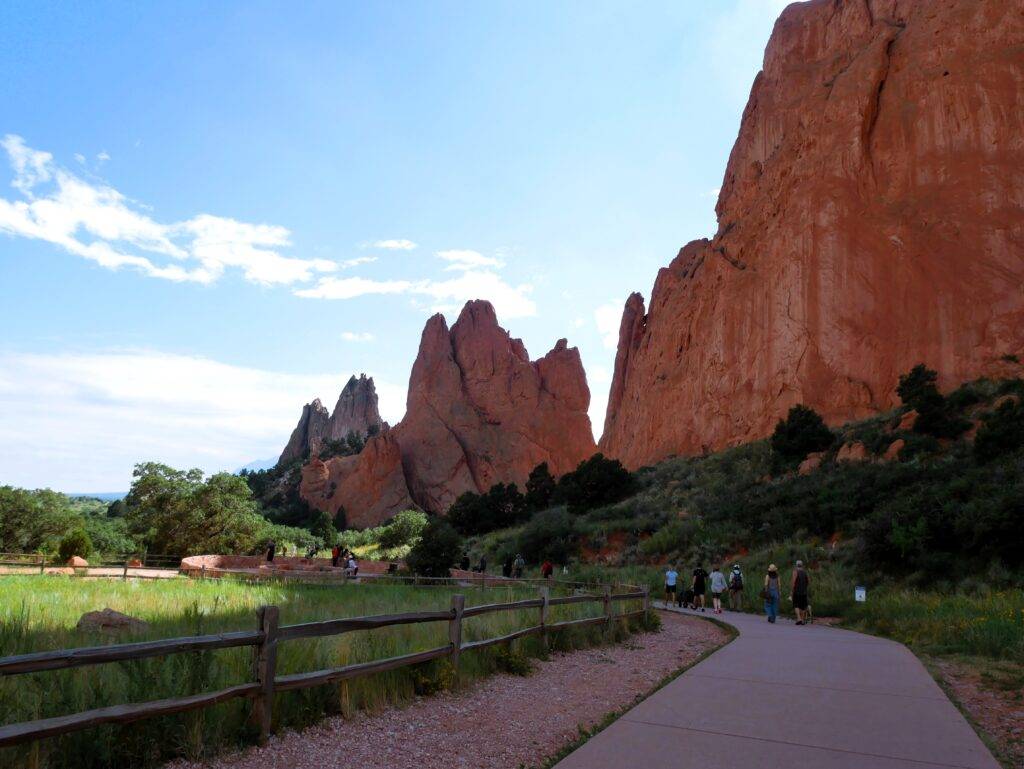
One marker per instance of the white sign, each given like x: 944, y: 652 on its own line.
x: 860, y: 593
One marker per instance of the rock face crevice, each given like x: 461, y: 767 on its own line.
x: 871, y: 217
x: 478, y: 412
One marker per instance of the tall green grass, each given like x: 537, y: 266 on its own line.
x: 39, y: 613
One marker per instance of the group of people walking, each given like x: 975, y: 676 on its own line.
x: 694, y: 596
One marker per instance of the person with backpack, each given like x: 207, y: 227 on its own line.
x: 799, y: 586
x: 770, y: 593
x: 671, y: 577
x: 700, y: 586
x: 718, y: 586
x: 736, y: 588
x: 519, y: 565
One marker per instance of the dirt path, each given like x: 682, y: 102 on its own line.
x: 501, y: 722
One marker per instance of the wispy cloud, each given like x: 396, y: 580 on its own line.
x: 358, y: 261
x: 95, y: 415
x: 510, y: 301
x: 607, y: 318
x: 395, y: 244
x: 96, y: 222
x: 464, y: 259
x: 357, y: 336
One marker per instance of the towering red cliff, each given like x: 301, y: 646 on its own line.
x: 478, y: 412
x: 871, y: 217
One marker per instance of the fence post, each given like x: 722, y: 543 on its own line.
x: 124, y: 574
x: 647, y: 600
x: 42, y: 564
x: 265, y: 663
x: 607, y: 599
x: 545, y: 596
x: 455, y: 629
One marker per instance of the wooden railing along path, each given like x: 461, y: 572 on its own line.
x: 265, y: 640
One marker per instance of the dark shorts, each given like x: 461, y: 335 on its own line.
x: 800, y: 601
x: 670, y: 588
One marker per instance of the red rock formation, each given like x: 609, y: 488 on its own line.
x: 871, y: 218
x: 478, y: 412
x: 355, y: 412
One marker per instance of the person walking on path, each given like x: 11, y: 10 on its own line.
x: 718, y: 586
x: 799, y: 586
x: 506, y: 568
x: 546, y: 569
x: 700, y: 586
x: 671, y: 577
x: 483, y: 564
x: 736, y: 588
x: 335, y: 555
x: 519, y: 565
x: 771, y: 593
x: 271, y: 549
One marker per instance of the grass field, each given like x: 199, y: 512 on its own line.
x: 39, y: 613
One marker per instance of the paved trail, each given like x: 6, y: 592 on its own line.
x: 795, y: 697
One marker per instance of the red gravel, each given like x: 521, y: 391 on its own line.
x: 501, y: 722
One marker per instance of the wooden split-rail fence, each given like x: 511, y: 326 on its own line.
x: 265, y: 641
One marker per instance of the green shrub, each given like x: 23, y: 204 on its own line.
x: 74, y: 543
x: 802, y: 431
x: 595, y: 482
x: 540, y: 487
x: 550, y: 535
x: 439, y: 549
x: 500, y: 507
x: 917, y: 389
x: 508, y: 660
x: 1001, y: 432
x: 404, y: 529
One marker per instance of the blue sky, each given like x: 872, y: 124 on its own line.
x: 212, y: 213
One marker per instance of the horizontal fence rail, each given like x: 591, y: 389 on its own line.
x: 265, y: 641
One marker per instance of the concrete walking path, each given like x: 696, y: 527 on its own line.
x: 787, y: 696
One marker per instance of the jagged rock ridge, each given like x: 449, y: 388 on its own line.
x: 478, y: 412
x: 355, y: 412
x: 871, y: 217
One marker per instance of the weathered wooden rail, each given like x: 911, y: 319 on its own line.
x: 265, y: 641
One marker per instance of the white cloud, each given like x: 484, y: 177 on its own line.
x: 80, y: 158
x: 81, y: 421
x: 509, y: 301
x: 103, y: 157
x: 397, y: 244
x: 357, y: 336
x: 95, y: 221
x: 607, y: 318
x: 358, y: 261
x: 464, y: 259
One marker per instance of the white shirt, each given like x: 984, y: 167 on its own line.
x: 671, y: 576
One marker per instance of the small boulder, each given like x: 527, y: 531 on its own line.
x: 109, y: 621
x: 852, y: 452
x: 908, y: 420
x: 893, y: 452
x: 134, y: 563
x: 811, y: 463
x: 77, y: 562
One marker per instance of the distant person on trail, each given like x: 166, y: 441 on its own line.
x: 335, y: 555
x: 798, y: 593
x: 736, y: 588
x: 671, y: 577
x: 465, y: 563
x: 483, y: 564
x: 519, y: 565
x: 546, y: 569
x: 771, y: 593
x: 351, y: 567
x: 700, y: 586
x: 506, y: 568
x: 718, y: 586
x: 271, y: 548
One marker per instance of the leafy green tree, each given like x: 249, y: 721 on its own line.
x: 595, y: 482
x: 917, y: 389
x: 549, y: 535
x: 75, y: 542
x: 404, y: 529
x: 33, y: 521
x: 1001, y: 432
x: 323, y: 529
x: 802, y: 431
x: 540, y: 488
x: 179, y: 512
x: 438, y: 550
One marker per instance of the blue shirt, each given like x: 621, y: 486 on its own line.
x: 670, y: 577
